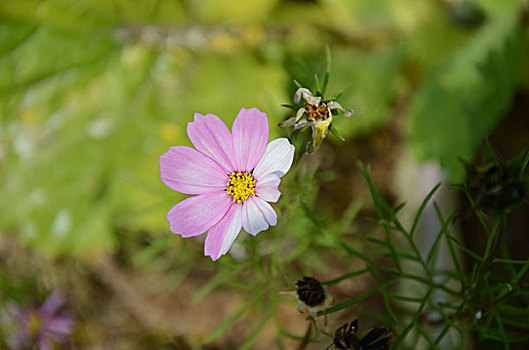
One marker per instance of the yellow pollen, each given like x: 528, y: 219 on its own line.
x: 241, y: 186
x: 33, y: 324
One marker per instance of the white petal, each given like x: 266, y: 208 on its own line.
x: 266, y: 188
x: 267, y: 211
x: 276, y: 159
x: 307, y: 95
x: 253, y: 220
x: 300, y: 113
x: 286, y: 124
x: 301, y: 124
x: 233, y: 230
x: 336, y: 105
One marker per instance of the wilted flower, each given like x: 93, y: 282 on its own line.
x: 318, y: 116
x: 41, y: 326
x: 310, y: 292
x: 233, y: 175
x: 346, y: 338
x: 494, y: 186
x: 311, y: 295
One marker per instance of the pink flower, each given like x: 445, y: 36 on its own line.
x: 233, y: 175
x: 43, y: 325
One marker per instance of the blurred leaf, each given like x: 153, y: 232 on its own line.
x: 499, y: 8
x: 225, y: 84
x: 462, y: 102
x: 86, y: 14
x: 369, y: 80
x: 234, y: 10
x: 13, y: 35
x: 430, y: 36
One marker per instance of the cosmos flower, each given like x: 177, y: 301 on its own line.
x: 318, y: 116
x: 233, y: 175
x: 41, y: 326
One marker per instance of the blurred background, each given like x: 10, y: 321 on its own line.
x: 92, y: 92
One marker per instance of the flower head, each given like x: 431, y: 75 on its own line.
x: 496, y: 187
x: 346, y: 337
x: 318, y: 116
x: 311, y: 297
x: 233, y: 175
x: 42, y: 325
x: 310, y: 291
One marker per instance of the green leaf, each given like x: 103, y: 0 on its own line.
x: 415, y: 320
x: 225, y: 324
x: 344, y: 277
x: 463, y: 101
x: 421, y: 209
x: 335, y: 132
x: 358, y: 298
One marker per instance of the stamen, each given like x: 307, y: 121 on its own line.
x: 241, y: 186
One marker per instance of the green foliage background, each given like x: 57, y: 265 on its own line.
x: 93, y: 91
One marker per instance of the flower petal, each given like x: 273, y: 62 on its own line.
x: 20, y: 338
x: 250, y: 135
x: 52, y: 304
x: 222, y: 235
x: 336, y: 105
x: 186, y: 170
x: 196, y: 215
x: 16, y: 311
x: 255, y: 215
x: 266, y: 188
x: 286, y: 124
x: 307, y: 95
x: 44, y: 344
x: 60, y: 326
x: 211, y: 136
x: 276, y: 159
x: 267, y: 211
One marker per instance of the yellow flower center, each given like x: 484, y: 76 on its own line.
x: 33, y: 324
x: 241, y: 186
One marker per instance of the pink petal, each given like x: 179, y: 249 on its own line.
x: 250, y: 135
x: 44, y: 344
x: 60, y: 325
x: 196, y: 215
x: 52, y: 304
x: 17, y: 311
x: 186, y: 170
x: 266, y: 188
x: 277, y: 159
x: 222, y: 235
x: 210, y: 136
x: 257, y: 215
x: 20, y: 338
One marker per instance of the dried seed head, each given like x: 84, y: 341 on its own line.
x: 346, y: 337
x: 310, y: 291
x: 497, y: 187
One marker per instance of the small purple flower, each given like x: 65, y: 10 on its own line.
x: 43, y: 325
x: 233, y: 175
